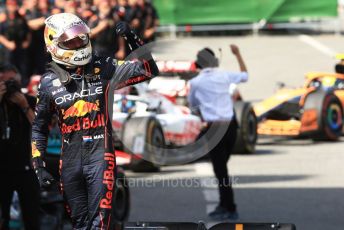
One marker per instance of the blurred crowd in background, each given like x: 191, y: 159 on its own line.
x: 22, y: 28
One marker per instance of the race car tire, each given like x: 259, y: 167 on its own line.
x: 330, y: 115
x: 154, y: 143
x: 247, y: 128
x: 122, y: 197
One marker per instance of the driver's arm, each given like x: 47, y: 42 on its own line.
x: 134, y: 72
x: 140, y: 67
x: 40, y: 131
x: 40, y: 126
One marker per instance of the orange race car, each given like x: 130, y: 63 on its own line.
x: 314, y: 110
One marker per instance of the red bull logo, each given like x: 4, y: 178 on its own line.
x: 84, y: 124
x: 80, y: 109
x: 108, y: 180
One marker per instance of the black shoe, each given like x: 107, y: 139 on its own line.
x: 220, y: 213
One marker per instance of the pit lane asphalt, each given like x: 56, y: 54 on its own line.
x: 295, y: 181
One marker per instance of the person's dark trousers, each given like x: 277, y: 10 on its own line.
x: 219, y: 157
x: 27, y: 187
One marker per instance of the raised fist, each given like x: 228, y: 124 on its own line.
x: 235, y: 49
x: 122, y: 29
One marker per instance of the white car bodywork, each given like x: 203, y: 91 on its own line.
x: 180, y: 127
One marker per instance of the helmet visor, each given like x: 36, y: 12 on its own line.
x: 75, y: 43
x: 73, y: 32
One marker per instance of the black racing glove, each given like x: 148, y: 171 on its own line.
x: 124, y: 30
x: 44, y: 177
x: 134, y: 42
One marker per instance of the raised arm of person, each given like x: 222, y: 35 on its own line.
x: 237, y: 54
x: 237, y: 77
x: 140, y: 68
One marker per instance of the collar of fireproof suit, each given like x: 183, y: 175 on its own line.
x: 73, y: 69
x: 68, y: 68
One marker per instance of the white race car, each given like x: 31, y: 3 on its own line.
x: 149, y: 126
x: 180, y: 127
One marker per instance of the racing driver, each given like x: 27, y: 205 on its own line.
x: 76, y: 88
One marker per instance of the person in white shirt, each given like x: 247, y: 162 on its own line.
x: 209, y: 94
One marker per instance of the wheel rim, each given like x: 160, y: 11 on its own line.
x: 334, y: 117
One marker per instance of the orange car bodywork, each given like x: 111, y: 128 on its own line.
x: 309, y: 119
x: 279, y: 128
x: 312, y: 76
